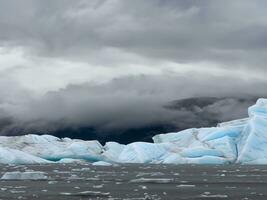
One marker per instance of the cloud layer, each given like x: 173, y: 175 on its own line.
x: 115, y: 64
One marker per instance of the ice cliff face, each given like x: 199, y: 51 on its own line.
x: 241, y: 141
x: 252, y: 145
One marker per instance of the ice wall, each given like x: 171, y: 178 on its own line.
x: 241, y: 141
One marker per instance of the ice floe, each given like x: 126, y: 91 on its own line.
x: 31, y: 175
x: 101, y: 163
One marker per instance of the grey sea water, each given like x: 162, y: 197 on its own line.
x: 85, y: 181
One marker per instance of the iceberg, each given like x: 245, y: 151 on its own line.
x: 52, y: 148
x: 13, y: 156
x: 252, y: 147
x: 112, y: 151
x: 242, y: 141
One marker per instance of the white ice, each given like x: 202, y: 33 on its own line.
x: 31, y: 175
x: 240, y: 141
x: 101, y: 163
x: 252, y: 146
x: 52, y: 148
x: 112, y: 150
x: 13, y: 156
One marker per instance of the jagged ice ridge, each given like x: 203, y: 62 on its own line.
x: 241, y: 141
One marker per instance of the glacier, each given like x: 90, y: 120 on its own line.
x: 242, y: 141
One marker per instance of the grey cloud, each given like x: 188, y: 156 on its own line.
x: 226, y: 34
x: 231, y: 33
x: 125, y: 103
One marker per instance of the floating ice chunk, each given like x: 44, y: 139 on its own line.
x: 214, y: 196
x: 149, y: 174
x: 31, y: 175
x: 152, y: 180
x: 185, y: 186
x: 86, y: 193
x: 102, y: 163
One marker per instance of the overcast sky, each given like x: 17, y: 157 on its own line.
x: 86, y: 61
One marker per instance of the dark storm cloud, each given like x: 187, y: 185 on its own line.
x: 127, y: 103
x: 233, y: 33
